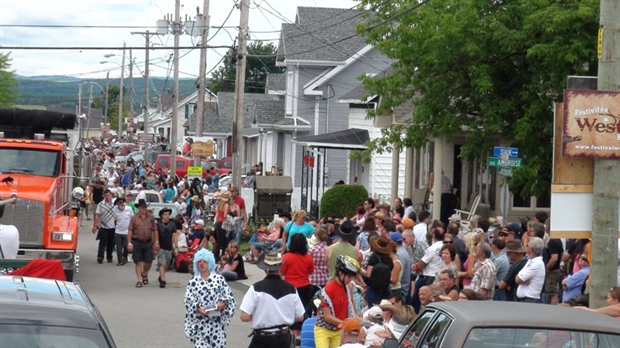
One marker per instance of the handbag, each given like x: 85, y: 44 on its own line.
x: 229, y: 224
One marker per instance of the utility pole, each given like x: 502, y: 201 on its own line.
x: 130, y: 83
x: 200, y: 105
x: 81, y: 129
x: 120, y: 98
x: 606, y: 192
x: 107, y: 93
x: 145, y: 107
x: 175, y: 98
x: 90, y: 100
x: 237, y: 131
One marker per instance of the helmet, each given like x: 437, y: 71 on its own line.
x: 346, y: 263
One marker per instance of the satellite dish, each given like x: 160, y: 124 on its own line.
x: 77, y: 193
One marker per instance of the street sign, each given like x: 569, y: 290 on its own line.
x: 508, y: 163
x: 194, y: 170
x: 143, y: 137
x: 504, y: 171
x: 502, y: 151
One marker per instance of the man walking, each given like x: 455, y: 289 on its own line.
x: 143, y: 233
x: 104, y: 225
x: 271, y: 306
x: 122, y: 214
x: 166, y: 229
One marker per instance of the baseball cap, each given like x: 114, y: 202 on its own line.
x: 396, y: 237
x: 407, y: 223
x: 351, y: 326
x: 373, y: 312
x: 200, y: 222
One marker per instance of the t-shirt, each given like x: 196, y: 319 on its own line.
x: 9, y: 241
x: 293, y: 228
x: 296, y: 268
x: 420, y: 230
x: 337, y: 293
x: 554, y: 246
x: 240, y: 270
x: 432, y: 259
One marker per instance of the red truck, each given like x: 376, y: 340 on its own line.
x: 36, y: 167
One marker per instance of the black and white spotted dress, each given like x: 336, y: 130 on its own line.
x: 207, y: 331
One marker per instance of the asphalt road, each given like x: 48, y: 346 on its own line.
x: 148, y: 316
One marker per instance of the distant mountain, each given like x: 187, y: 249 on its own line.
x: 62, y: 91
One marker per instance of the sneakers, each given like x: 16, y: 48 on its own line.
x: 100, y: 260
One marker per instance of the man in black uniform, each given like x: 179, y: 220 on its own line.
x: 271, y: 306
x: 166, y: 228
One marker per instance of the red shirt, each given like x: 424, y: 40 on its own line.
x: 297, y: 268
x: 337, y: 293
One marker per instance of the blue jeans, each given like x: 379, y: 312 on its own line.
x: 374, y: 297
x: 499, y: 295
x: 229, y: 275
x: 238, y: 231
x: 260, y: 245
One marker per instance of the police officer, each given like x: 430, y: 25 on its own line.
x: 271, y: 306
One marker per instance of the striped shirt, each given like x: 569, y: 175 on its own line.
x: 106, y: 213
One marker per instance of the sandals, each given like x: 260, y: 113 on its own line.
x: 145, y: 279
x: 138, y: 284
x: 162, y: 283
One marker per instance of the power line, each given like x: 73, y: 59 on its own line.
x: 100, y: 48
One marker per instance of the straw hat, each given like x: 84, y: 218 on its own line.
x: 225, y: 196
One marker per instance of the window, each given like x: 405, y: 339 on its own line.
x: 29, y: 161
x: 436, y: 331
x: 50, y: 336
x: 411, y: 338
x: 533, y: 337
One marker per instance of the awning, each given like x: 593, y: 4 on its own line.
x: 348, y: 139
x: 273, y: 184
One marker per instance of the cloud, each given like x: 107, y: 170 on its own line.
x: 134, y: 16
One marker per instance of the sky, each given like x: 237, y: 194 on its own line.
x: 109, y: 23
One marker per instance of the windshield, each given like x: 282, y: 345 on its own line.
x: 29, y: 161
x: 50, y: 336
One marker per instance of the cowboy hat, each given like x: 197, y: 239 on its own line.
x: 142, y: 203
x: 271, y: 261
x: 347, y: 230
x: 382, y: 245
x: 385, y: 304
x: 195, y: 198
x: 380, y: 215
x: 161, y: 212
x: 120, y: 199
x: 515, y: 246
x: 225, y: 196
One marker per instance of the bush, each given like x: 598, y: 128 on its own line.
x: 342, y: 200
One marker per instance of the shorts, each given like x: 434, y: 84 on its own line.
x: 142, y: 251
x: 164, y: 258
x: 552, y: 281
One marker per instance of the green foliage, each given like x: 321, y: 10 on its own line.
x: 256, y: 71
x: 8, y: 94
x: 342, y: 200
x: 491, y: 67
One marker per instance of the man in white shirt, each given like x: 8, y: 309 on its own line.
x: 420, y: 230
x: 532, y: 277
x: 431, y: 262
x: 9, y: 239
x: 122, y: 214
x: 141, y: 194
x: 180, y: 203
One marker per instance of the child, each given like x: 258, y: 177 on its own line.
x: 223, y: 266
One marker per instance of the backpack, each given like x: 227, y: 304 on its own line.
x: 380, y: 275
x: 181, y: 264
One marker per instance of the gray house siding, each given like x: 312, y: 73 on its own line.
x: 333, y: 116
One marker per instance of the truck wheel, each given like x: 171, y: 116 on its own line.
x: 69, y: 275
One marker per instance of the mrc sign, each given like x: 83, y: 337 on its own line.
x: 591, y: 124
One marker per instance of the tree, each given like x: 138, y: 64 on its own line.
x: 257, y: 69
x: 8, y: 83
x: 491, y: 67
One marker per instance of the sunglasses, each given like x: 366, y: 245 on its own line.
x: 448, y: 242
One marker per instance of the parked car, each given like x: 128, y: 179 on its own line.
x: 126, y: 149
x: 208, y: 165
x: 159, y: 206
x: 37, y: 312
x: 152, y: 196
x: 225, y: 163
x: 481, y: 324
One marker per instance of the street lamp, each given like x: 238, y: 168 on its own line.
x: 105, y: 111
x: 120, y: 95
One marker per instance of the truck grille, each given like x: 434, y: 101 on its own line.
x: 28, y: 217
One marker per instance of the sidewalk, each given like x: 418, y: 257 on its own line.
x: 254, y: 274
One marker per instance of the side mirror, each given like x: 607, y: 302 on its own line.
x: 390, y: 343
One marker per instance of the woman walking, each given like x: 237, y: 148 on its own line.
x: 221, y: 235
x: 209, y: 304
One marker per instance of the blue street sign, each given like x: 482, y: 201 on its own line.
x: 511, y: 151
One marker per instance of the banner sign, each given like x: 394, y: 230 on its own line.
x: 591, y: 124
x: 202, y: 148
